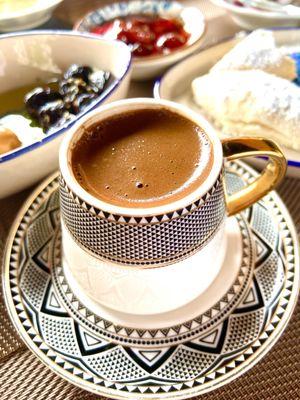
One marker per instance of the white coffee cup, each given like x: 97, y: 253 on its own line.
x: 137, y: 260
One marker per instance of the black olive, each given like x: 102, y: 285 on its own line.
x: 67, y: 86
x: 37, y: 98
x: 66, y: 116
x: 73, y: 86
x: 78, y: 71
x: 51, y: 107
x: 82, y: 101
x: 98, y: 80
x: 50, y: 113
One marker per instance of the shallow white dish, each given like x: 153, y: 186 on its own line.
x: 150, y: 67
x: 175, y: 85
x: 251, y: 18
x: 35, y: 15
x: 30, y: 56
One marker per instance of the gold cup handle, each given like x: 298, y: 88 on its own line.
x: 266, y: 181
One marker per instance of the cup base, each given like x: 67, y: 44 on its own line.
x: 139, y: 291
x: 216, y: 289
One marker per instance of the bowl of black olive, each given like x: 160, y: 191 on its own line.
x: 48, y: 81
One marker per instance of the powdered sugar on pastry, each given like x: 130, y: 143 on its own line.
x: 258, y: 51
x: 251, y: 102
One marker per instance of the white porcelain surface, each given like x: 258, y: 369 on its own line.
x: 206, y: 290
x: 30, y: 17
x: 144, y: 291
x: 31, y: 56
x: 175, y: 85
x: 150, y: 67
x: 250, y: 18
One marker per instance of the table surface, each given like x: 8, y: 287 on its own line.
x: 23, y: 377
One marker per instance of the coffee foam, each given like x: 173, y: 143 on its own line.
x: 166, y: 123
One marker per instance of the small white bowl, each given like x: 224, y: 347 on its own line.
x: 31, y: 17
x: 36, y: 55
x: 152, y: 66
x: 251, y: 18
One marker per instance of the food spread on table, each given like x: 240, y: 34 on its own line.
x: 67, y: 284
x: 146, y: 35
x: 29, y: 113
x: 253, y: 91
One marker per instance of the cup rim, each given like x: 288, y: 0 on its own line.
x: 125, y: 105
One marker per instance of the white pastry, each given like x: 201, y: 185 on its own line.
x: 258, y: 51
x: 252, y: 103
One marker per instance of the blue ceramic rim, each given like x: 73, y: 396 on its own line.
x: 79, y: 24
x: 157, y: 83
x: 110, y: 90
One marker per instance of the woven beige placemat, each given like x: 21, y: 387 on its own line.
x: 24, y: 377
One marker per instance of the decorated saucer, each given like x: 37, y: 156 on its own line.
x: 165, y: 328
x: 179, y: 356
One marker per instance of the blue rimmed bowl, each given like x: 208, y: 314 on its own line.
x: 149, y: 67
x: 35, y: 56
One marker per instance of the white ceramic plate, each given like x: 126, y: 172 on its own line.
x: 251, y: 18
x: 176, y: 83
x: 150, y: 67
x: 35, y: 15
x: 30, y: 56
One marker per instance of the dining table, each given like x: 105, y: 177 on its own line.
x: 22, y: 374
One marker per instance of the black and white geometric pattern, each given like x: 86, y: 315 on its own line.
x: 168, y: 334
x: 150, y: 240
x: 181, y: 370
